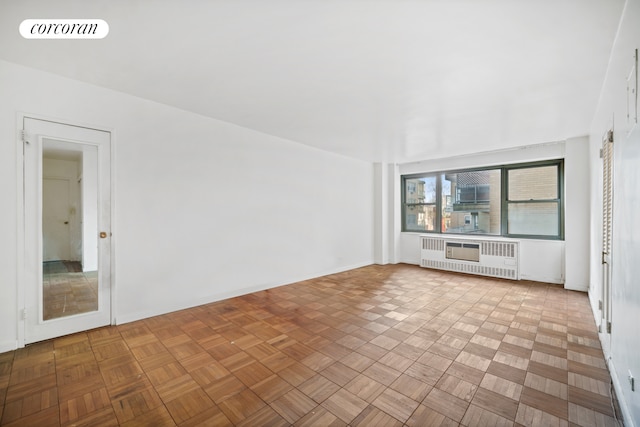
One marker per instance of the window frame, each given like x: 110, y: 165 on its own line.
x: 504, y: 209
x: 405, y: 204
x: 504, y: 199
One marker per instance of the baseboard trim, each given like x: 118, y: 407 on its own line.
x: 220, y: 296
x: 579, y: 288
x: 8, y: 346
x: 626, y: 414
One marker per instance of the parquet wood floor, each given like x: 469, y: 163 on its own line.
x: 393, y: 345
x: 67, y: 290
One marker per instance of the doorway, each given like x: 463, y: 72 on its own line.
x: 57, y: 207
x: 67, y: 237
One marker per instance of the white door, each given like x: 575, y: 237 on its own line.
x: 56, y: 208
x: 91, y: 148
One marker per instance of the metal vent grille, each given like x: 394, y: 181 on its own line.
x: 430, y: 244
x: 506, y: 273
x: 501, y: 249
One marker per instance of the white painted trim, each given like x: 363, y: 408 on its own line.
x: 576, y: 287
x: 606, y: 350
x: 190, y: 303
x: 483, y: 237
x: 114, y: 234
x: 20, y: 236
x: 626, y: 414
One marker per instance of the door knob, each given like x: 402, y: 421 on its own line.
x: 103, y: 234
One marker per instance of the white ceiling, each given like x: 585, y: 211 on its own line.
x: 379, y: 80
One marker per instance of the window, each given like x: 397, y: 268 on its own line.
x: 533, y: 202
x: 523, y: 200
x: 420, y: 203
x: 471, y: 202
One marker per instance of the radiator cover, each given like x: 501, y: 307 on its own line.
x: 486, y: 257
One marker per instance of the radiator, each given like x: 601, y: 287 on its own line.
x: 484, y: 257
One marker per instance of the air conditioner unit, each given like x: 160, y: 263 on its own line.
x: 462, y: 251
x: 486, y: 257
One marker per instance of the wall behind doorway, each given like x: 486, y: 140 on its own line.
x: 55, y: 168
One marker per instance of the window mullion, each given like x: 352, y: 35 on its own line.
x: 438, y: 203
x: 504, y: 205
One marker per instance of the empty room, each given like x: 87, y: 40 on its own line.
x: 319, y: 213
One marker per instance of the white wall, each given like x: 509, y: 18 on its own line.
x: 541, y: 260
x: 203, y: 209
x: 622, y: 347
x: 386, y: 211
x: 577, y: 232
x: 381, y: 218
x: 54, y: 168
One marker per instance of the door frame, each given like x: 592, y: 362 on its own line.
x: 20, y: 218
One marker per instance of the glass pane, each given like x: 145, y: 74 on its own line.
x: 69, y: 228
x: 420, y: 218
x: 540, y: 183
x: 471, y: 202
x: 533, y: 219
x: 420, y: 190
